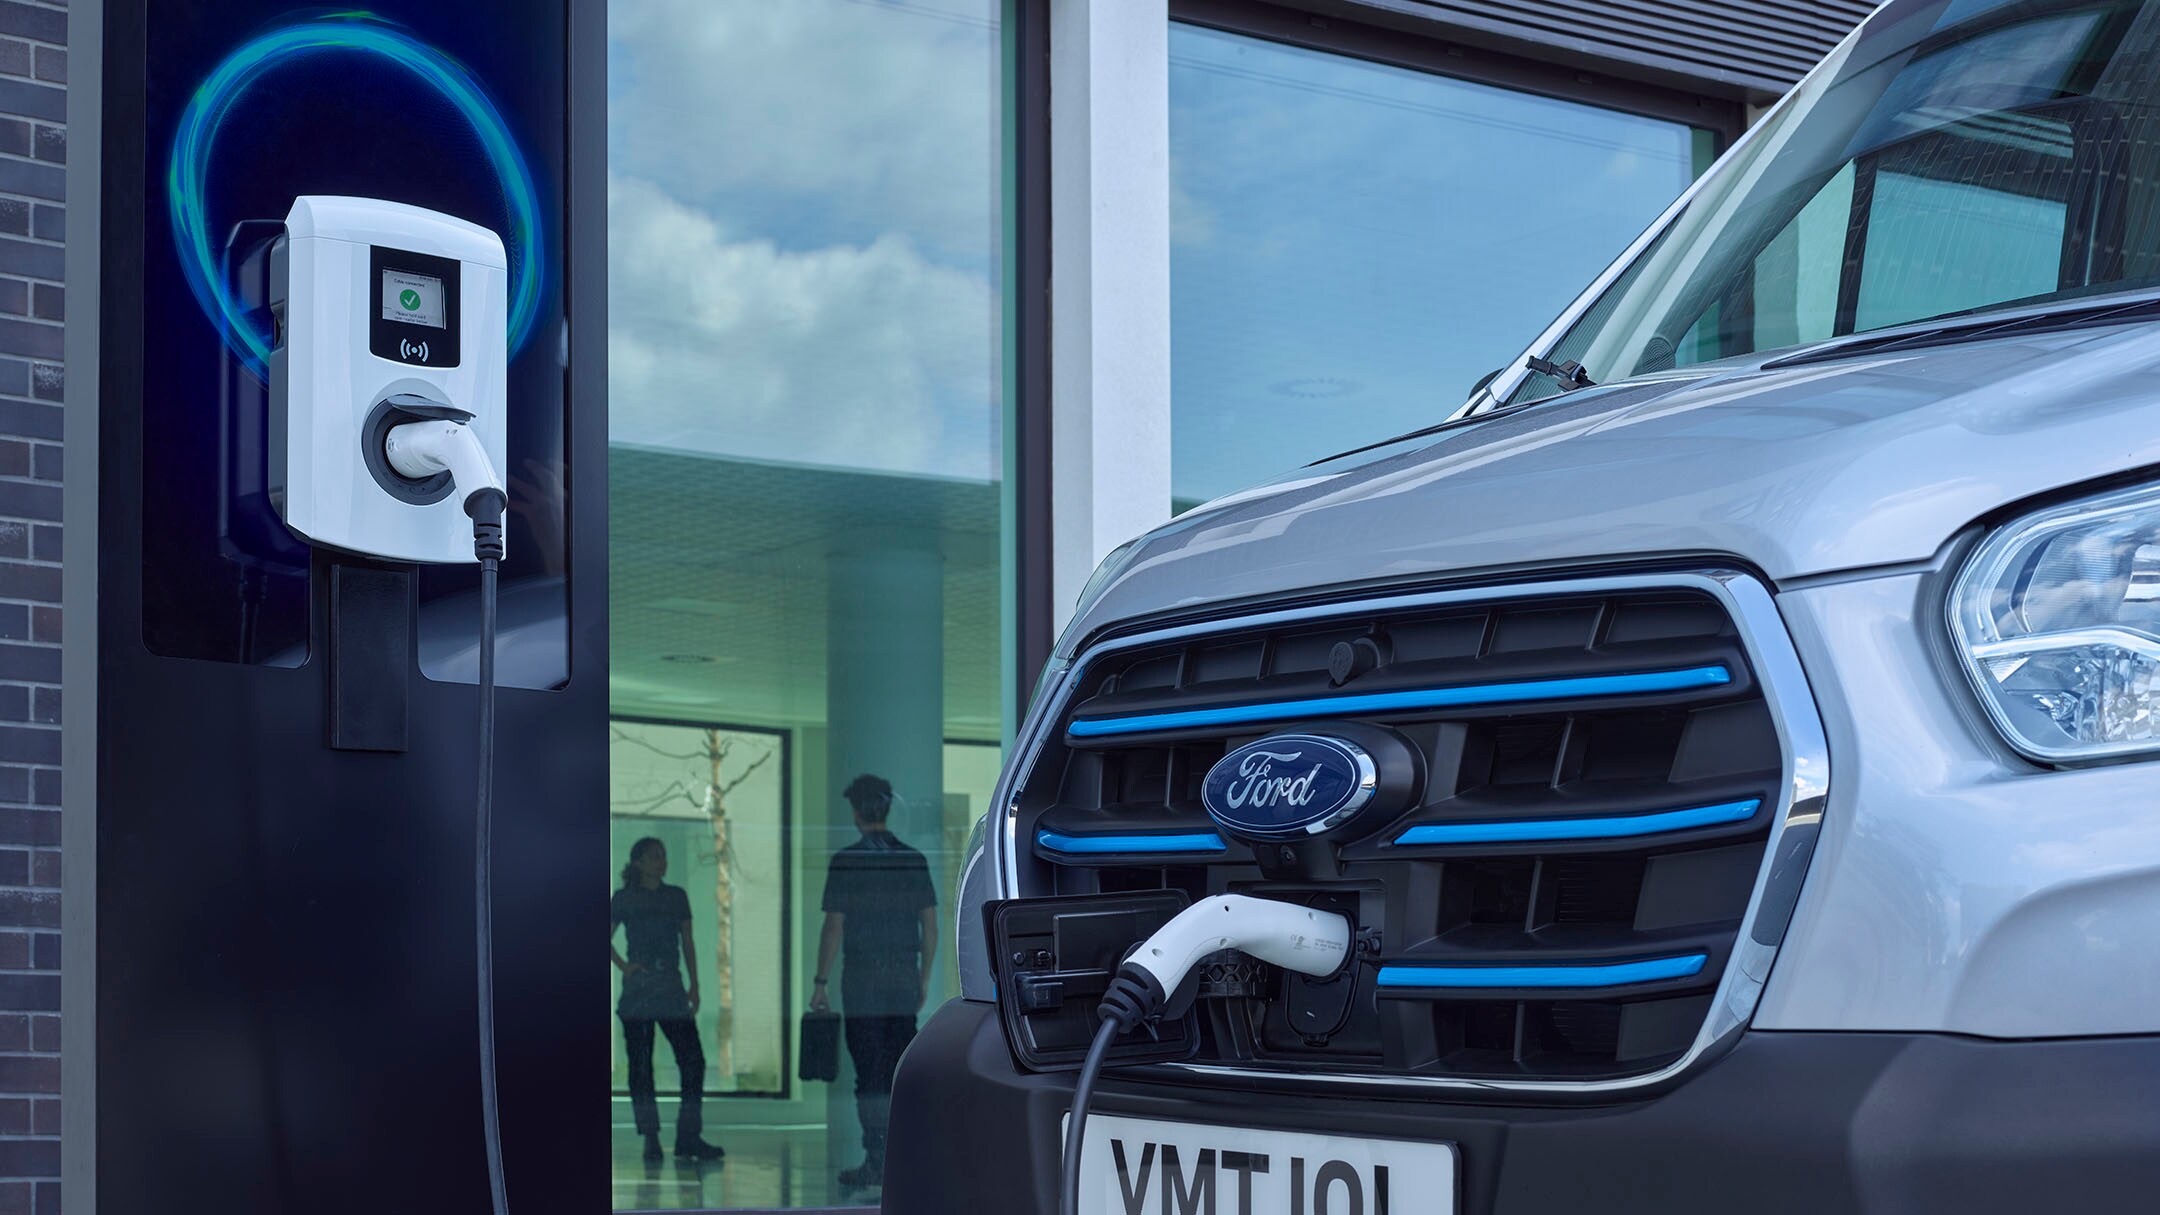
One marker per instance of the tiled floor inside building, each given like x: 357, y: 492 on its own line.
x: 768, y: 1168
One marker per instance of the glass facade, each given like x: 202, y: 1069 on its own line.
x: 806, y: 565
x: 1353, y: 245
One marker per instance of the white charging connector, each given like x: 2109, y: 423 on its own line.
x: 437, y: 445
x: 431, y: 446
x: 1296, y: 938
x: 1303, y: 939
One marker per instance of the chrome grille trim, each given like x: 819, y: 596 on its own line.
x: 1786, y: 855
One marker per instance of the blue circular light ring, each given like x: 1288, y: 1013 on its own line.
x: 214, y: 101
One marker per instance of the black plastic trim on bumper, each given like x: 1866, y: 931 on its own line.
x: 1813, y: 1123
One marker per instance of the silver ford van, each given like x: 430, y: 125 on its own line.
x: 1746, y: 706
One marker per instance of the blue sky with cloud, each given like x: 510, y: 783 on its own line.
x: 803, y: 207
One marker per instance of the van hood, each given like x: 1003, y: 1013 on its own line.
x: 1801, y: 470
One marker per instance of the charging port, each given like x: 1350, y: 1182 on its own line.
x: 1318, y: 1009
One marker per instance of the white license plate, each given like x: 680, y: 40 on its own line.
x: 1136, y: 1166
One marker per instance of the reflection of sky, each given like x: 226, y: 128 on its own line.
x: 1354, y: 245
x: 803, y: 230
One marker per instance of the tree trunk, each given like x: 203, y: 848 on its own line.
x: 723, y: 993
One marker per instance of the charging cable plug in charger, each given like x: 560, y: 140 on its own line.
x: 1155, y: 978
x: 420, y: 450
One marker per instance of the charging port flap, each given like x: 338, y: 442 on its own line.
x: 1055, y: 958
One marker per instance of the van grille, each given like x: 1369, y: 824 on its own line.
x: 1564, y: 894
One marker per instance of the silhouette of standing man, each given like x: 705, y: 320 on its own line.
x: 881, y: 921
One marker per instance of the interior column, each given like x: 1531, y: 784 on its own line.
x: 885, y: 715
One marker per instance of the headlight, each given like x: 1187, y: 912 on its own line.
x: 2058, y: 620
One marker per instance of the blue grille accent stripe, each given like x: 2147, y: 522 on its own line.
x: 1570, y: 974
x: 1614, y: 827
x: 1080, y: 844
x: 1427, y: 698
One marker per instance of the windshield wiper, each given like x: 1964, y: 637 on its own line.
x: 1571, y: 374
x: 1427, y: 431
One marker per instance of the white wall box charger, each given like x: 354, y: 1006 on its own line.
x: 386, y: 314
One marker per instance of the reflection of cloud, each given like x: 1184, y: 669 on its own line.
x: 847, y: 117
x: 1339, y: 220
x: 1192, y: 220
x: 867, y: 355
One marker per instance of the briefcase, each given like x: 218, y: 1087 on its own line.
x: 819, y: 1058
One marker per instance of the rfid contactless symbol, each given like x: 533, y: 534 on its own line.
x: 218, y: 97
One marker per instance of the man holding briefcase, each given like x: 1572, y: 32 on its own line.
x: 881, y: 923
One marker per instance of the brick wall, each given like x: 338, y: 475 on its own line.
x: 33, y: 225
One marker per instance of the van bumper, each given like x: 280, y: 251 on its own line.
x: 1798, y: 1122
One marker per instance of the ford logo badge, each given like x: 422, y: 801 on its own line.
x: 1289, y: 785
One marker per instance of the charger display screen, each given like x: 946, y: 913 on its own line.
x: 412, y: 299
x: 413, y: 317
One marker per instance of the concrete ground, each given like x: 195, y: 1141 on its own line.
x: 768, y: 1168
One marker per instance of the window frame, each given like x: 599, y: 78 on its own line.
x: 788, y: 1012
x: 1030, y: 541
x: 1436, y: 54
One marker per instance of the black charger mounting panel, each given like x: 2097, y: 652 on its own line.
x: 1055, y: 958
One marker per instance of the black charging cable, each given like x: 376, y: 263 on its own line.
x: 1134, y: 996
x: 486, y: 508
x: 1076, y: 1121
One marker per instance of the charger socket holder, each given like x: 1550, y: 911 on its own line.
x: 389, y: 414
x: 1054, y: 959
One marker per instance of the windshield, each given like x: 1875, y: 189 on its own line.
x: 1955, y: 155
